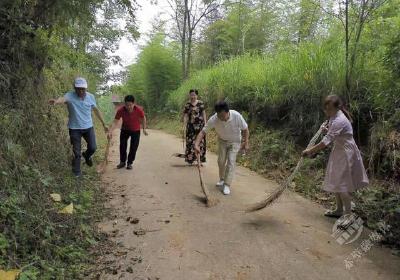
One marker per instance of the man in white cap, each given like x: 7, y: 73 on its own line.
x: 80, y: 104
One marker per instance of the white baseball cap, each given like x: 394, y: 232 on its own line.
x: 80, y: 83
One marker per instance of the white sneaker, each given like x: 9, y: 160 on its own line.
x: 220, y: 184
x: 226, y: 190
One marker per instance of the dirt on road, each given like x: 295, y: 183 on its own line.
x: 164, y: 231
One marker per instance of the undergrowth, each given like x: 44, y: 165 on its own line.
x: 35, y: 156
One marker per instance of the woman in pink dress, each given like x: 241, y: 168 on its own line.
x: 345, y: 172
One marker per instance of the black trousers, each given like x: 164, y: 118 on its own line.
x: 123, y: 145
x: 76, y: 136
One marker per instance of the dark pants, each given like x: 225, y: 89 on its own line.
x: 123, y: 144
x: 76, y: 136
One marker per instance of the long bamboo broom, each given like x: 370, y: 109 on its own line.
x: 271, y: 198
x: 211, y: 201
x: 102, y: 166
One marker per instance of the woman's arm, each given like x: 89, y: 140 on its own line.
x: 185, y: 122
x: 185, y: 119
x: 314, y: 149
x: 332, y: 131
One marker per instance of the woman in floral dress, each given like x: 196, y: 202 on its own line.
x: 194, y: 116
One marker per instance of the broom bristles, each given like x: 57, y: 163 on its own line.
x: 178, y: 155
x: 101, y: 168
x: 271, y: 198
x: 268, y: 201
x: 211, y: 201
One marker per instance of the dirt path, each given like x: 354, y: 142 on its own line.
x: 185, y: 240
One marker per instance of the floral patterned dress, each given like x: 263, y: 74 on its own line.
x: 195, y: 124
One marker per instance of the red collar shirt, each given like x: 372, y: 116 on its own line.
x: 130, y: 120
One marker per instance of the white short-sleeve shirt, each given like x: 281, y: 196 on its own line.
x: 230, y: 130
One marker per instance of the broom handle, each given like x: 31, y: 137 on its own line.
x: 107, y: 151
x: 300, y: 162
x: 205, y: 191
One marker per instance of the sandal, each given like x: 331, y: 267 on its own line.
x: 332, y: 214
x: 346, y: 221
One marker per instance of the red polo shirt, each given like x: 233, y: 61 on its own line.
x: 130, y: 120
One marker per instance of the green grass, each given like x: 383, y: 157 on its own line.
x: 284, y: 88
x: 35, y: 162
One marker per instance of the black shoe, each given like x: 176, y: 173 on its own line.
x: 121, y: 165
x: 88, y: 160
x: 129, y: 167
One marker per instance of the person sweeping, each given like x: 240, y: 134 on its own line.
x: 345, y: 171
x: 229, y: 125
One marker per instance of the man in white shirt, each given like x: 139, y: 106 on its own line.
x: 230, y: 127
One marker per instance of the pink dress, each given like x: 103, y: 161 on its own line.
x: 345, y: 171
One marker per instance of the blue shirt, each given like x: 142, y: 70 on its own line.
x: 80, y: 110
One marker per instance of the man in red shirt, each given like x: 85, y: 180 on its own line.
x: 132, y: 117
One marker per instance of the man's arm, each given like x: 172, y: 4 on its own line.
x: 113, y: 125
x: 210, y: 124
x: 57, y: 101
x: 245, y: 136
x: 144, y: 125
x: 100, y: 117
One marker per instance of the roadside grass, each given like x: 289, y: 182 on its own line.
x: 34, y: 237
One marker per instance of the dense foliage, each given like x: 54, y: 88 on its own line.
x: 156, y: 73
x: 43, y: 46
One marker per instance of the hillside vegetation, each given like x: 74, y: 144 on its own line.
x: 277, y: 76
x: 44, y: 45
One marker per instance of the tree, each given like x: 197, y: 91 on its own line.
x: 310, y: 13
x: 353, y: 15
x: 156, y: 73
x: 188, y: 14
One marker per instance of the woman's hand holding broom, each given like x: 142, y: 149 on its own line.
x: 313, y: 149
